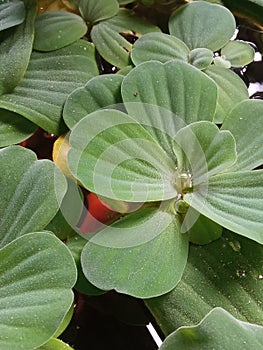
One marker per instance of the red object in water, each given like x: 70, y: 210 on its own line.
x: 99, y: 214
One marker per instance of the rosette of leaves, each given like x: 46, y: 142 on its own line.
x: 200, y: 34
x: 165, y: 153
x: 34, y: 84
x: 109, y: 27
x: 114, y: 37
x: 197, y: 30
x: 43, y: 59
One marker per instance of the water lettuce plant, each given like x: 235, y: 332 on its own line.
x: 157, y: 132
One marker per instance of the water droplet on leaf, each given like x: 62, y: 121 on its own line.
x: 241, y: 273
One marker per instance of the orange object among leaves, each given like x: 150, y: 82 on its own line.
x: 99, y: 214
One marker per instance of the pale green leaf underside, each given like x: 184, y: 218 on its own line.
x: 233, y: 200
x: 12, y: 13
x: 31, y: 192
x: 159, y: 47
x: 14, y: 128
x: 115, y: 157
x: 175, y: 86
x: 15, y: 50
x: 204, y: 150
x: 225, y: 273
x: 246, y: 124
x: 37, y: 273
x: 231, y: 90
x: 108, y: 37
x: 134, y: 270
x: 100, y: 92
x: 49, y: 79
x: 97, y: 10
x: 218, y: 330
x: 200, y: 24
x: 56, y: 29
x: 238, y: 53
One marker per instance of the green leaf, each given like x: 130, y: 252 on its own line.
x: 49, y: 79
x: 60, y: 226
x: 124, y: 71
x: 141, y: 270
x: 56, y: 29
x: 201, y: 58
x: 128, y: 232
x: 225, y: 273
x: 204, y: 231
x: 109, y: 36
x: 12, y: 13
x: 65, y: 223
x: 31, y: 192
x: 159, y: 122
x: 201, y: 24
x: 238, y: 53
x: 37, y: 274
x: 55, y: 344
x: 14, y: 128
x: 99, y: 92
x: 159, y: 47
x: 245, y: 123
x: 15, y: 50
x: 75, y: 245
x: 220, y: 61
x: 233, y: 200
x: 175, y: 86
x: 204, y: 150
x: 66, y: 321
x: 113, y: 156
x: 218, y: 330
x: 231, y: 90
x: 94, y: 11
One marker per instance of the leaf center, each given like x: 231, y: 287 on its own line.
x: 183, y: 182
